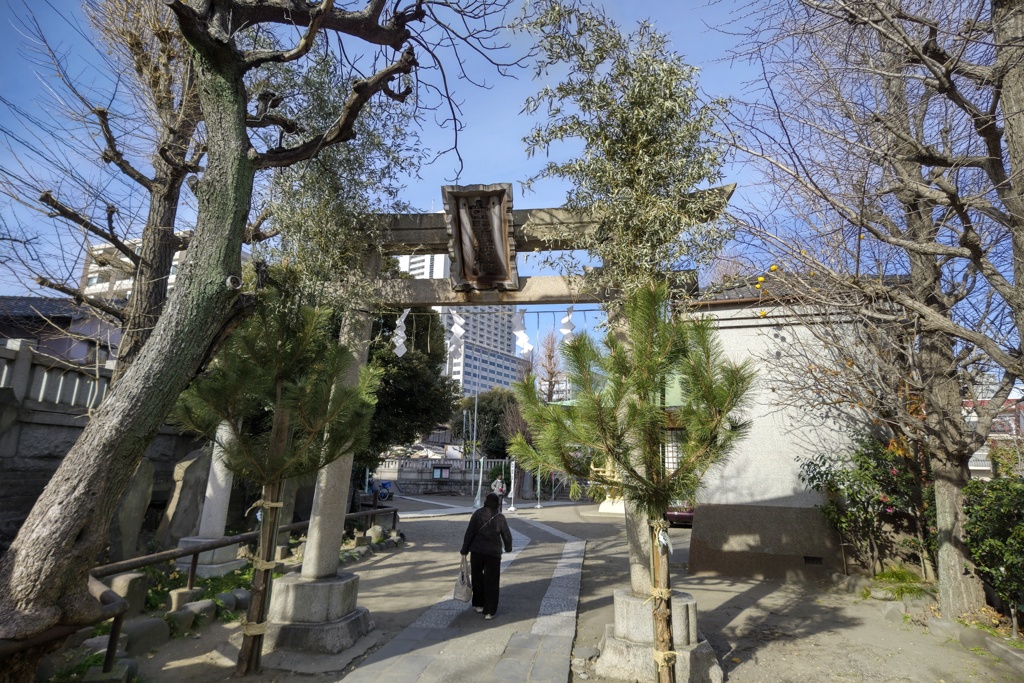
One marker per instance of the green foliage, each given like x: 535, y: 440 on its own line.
x: 163, y: 579
x: 102, y: 628
x: 490, y: 407
x: 329, y: 209
x: 635, y: 107
x: 78, y: 670
x: 897, y: 574
x: 227, y: 616
x: 994, y: 534
x: 501, y: 470
x: 614, y: 433
x: 1005, y: 457
x: 413, y: 395
x: 873, y: 494
x: 278, y: 386
x: 900, y: 582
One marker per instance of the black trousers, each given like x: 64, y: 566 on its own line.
x: 486, y: 571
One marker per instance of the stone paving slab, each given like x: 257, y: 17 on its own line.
x: 449, y: 642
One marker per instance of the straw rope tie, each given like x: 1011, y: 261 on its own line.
x: 264, y: 504
x: 663, y: 593
x: 656, y: 592
x: 250, y: 628
x: 665, y: 659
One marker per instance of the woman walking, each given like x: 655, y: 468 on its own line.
x: 486, y: 536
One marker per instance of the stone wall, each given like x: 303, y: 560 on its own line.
x: 416, y: 476
x: 44, y: 405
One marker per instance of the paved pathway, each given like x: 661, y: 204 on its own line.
x: 761, y: 630
x: 529, y: 640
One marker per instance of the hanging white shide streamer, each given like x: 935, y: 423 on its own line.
x: 567, y: 326
x: 456, y: 345
x: 519, y: 330
x: 399, y: 336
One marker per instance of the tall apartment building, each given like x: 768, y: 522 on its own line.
x: 108, y: 274
x: 490, y: 358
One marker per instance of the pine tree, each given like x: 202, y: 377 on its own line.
x: 614, y: 433
x: 277, y: 383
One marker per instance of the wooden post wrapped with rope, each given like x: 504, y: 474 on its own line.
x: 661, y: 594
x: 254, y: 625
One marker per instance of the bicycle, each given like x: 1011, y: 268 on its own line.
x: 382, y: 490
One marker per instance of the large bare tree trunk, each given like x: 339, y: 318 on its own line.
x: 43, y: 575
x: 149, y: 292
x: 950, y: 446
x: 1008, y: 26
x: 960, y: 590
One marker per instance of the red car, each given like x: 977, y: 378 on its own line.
x: 680, y: 514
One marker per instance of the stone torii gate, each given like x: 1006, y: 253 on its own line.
x: 482, y: 233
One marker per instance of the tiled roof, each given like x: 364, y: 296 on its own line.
x: 22, y: 307
x: 773, y: 286
x: 745, y: 288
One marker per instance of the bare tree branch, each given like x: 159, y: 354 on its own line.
x: 69, y: 214
x: 112, y: 155
x: 81, y: 298
x: 343, y: 128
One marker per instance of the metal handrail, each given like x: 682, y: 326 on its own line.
x: 114, y: 606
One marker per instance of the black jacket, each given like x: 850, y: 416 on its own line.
x: 487, y: 533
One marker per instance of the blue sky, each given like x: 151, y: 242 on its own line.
x: 491, y: 143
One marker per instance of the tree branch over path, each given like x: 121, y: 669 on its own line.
x: 343, y: 127
x: 44, y: 571
x: 892, y: 157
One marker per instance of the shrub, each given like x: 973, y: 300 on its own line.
x: 879, y: 498
x: 994, y: 534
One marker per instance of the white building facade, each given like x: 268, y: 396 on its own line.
x: 489, y: 359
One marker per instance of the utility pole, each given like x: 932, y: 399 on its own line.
x: 480, y: 482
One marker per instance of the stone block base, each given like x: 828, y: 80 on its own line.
x: 634, y: 619
x: 145, y: 634
x: 131, y: 586
x: 628, y: 644
x: 212, y: 562
x: 179, y: 597
x: 630, y: 661
x: 328, y: 637
x: 297, y: 600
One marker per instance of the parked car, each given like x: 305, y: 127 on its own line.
x: 680, y: 514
